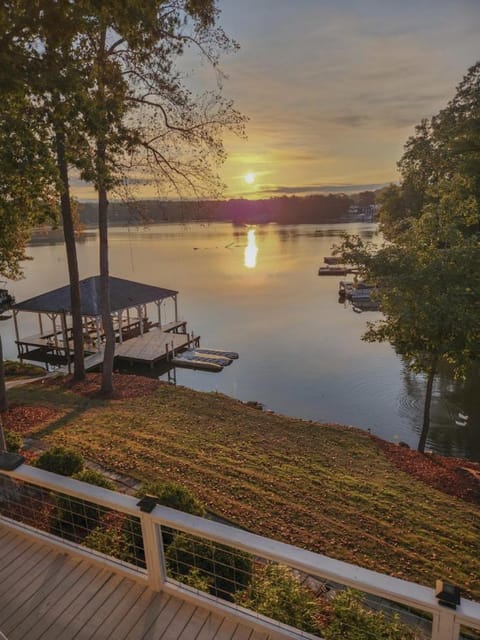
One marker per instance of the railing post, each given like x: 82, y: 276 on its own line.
x: 444, y: 626
x: 153, y: 548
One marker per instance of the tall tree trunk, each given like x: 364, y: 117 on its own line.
x: 71, y: 249
x: 3, y: 390
x: 109, y: 353
x: 3, y: 398
x: 427, y: 405
x: 101, y: 170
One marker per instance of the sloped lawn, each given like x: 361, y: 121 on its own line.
x: 332, y: 489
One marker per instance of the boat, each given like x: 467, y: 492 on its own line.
x: 330, y: 270
x: 345, y: 288
x: 6, y: 300
x: 207, y: 359
x: 192, y: 360
x: 334, y: 260
x: 365, y: 305
x: 231, y: 355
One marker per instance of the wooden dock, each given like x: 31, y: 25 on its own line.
x: 49, y: 595
x: 151, y: 347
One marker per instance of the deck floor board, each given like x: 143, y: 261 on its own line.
x: 47, y: 594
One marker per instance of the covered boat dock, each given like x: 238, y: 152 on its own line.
x: 139, y: 337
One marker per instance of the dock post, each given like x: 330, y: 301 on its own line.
x: 120, y: 326
x: 63, y: 321
x: 139, y: 311
x: 97, y: 328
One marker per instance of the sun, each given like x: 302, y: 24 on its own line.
x: 249, y: 178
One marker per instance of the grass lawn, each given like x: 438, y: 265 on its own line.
x: 327, y: 488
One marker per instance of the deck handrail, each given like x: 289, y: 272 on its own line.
x: 446, y: 622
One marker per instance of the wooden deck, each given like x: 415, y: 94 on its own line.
x: 49, y: 595
x: 151, y: 347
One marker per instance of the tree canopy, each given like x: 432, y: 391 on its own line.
x: 428, y: 270
x: 27, y: 181
x: 110, y: 104
x: 441, y: 158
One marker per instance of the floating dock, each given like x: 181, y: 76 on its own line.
x: 206, y: 359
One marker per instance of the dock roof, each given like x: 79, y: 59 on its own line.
x: 124, y: 294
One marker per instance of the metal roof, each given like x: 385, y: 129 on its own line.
x: 124, y: 294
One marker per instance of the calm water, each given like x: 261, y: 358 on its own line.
x: 256, y: 291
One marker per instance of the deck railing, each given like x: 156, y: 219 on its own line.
x: 208, y: 562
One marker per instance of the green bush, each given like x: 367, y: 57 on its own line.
x: 14, y: 441
x: 111, y: 538
x: 76, y: 518
x: 175, y: 496
x: 94, y: 477
x: 275, y: 592
x: 226, y: 570
x: 352, y: 621
x: 196, y: 580
x: 65, y: 462
x: 14, y: 368
x: 171, y: 494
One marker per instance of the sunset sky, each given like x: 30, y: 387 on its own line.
x: 334, y: 88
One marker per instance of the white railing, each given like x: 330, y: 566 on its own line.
x: 446, y: 623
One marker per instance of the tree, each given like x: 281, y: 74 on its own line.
x: 141, y: 118
x: 38, y: 62
x: 27, y: 180
x: 103, y: 79
x: 443, y: 151
x: 430, y: 295
x: 429, y: 271
x: 26, y: 189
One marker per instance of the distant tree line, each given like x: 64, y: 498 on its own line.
x: 313, y: 209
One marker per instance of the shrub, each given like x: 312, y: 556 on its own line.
x: 196, y: 580
x: 62, y: 461
x: 13, y: 368
x: 14, y: 441
x: 352, y: 621
x: 171, y: 494
x: 275, y: 592
x: 175, y: 496
x: 94, y: 477
x: 76, y: 518
x: 111, y: 538
x: 225, y: 569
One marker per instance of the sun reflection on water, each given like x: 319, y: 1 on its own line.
x: 251, y: 250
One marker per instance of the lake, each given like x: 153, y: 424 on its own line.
x: 256, y: 290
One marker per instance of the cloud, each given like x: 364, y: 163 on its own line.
x: 319, y: 188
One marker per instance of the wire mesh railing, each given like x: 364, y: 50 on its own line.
x: 280, y: 586
x: 303, y: 601
x: 74, y: 520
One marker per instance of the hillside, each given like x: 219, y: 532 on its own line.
x: 333, y: 489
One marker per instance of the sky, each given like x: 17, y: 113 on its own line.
x: 333, y: 89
